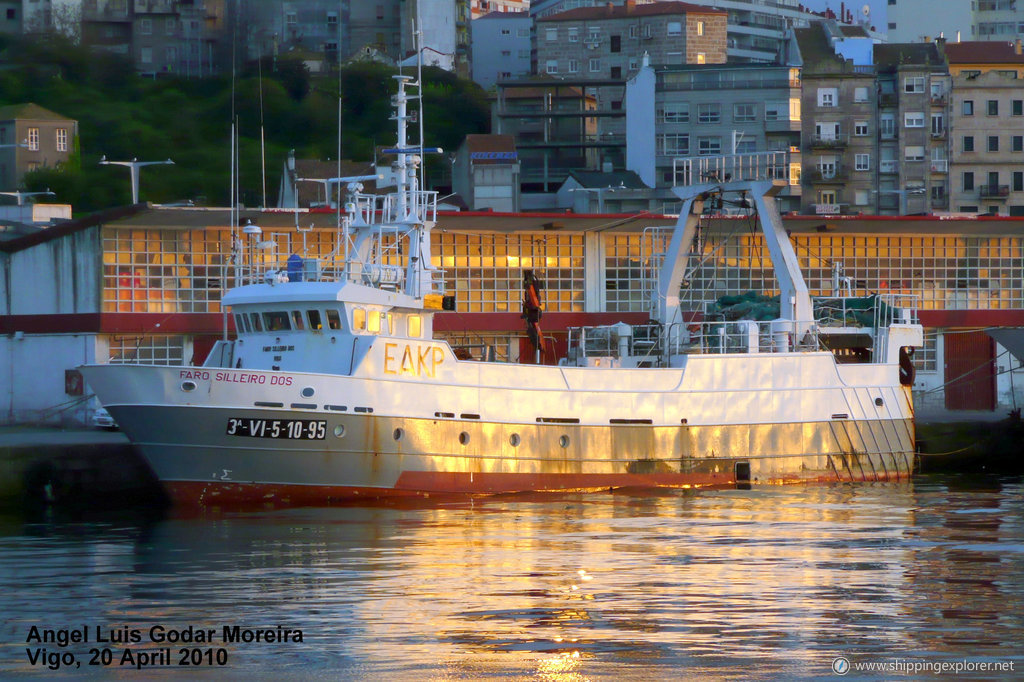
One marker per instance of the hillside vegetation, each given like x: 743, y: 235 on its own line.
x: 123, y: 116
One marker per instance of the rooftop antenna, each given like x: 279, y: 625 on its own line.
x: 134, y: 165
x: 20, y: 196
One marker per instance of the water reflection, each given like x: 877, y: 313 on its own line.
x: 756, y: 583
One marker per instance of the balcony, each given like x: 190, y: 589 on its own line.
x: 938, y: 100
x: 994, y: 191
x: 887, y: 167
x: 938, y: 134
x: 887, y: 99
x: 939, y: 166
x: 940, y: 203
x: 828, y: 141
x: 827, y: 175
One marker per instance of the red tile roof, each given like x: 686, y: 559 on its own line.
x: 630, y: 10
x: 983, y: 52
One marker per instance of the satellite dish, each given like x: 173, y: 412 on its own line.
x: 866, y: 10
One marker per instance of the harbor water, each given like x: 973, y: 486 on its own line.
x: 923, y: 579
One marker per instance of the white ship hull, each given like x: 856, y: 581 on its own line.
x: 251, y: 436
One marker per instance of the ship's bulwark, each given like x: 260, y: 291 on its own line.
x: 368, y: 456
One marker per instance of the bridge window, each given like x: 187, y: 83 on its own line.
x: 276, y: 321
x: 333, y: 319
x: 297, y: 319
x: 415, y: 326
x: 314, y: 319
x: 240, y: 323
x: 358, y: 319
x: 254, y: 320
x: 373, y: 322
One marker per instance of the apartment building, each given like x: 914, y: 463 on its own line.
x: 32, y: 137
x: 875, y: 125
x: 922, y: 20
x: 913, y: 112
x: 500, y: 47
x: 608, y: 42
x: 691, y: 124
x: 987, y: 127
x: 578, y: 121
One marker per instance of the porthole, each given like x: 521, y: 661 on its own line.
x: 514, y: 440
x: 188, y: 386
x: 339, y: 431
x: 308, y: 392
x: 399, y: 434
x: 878, y: 402
x: 464, y: 438
x: 564, y: 441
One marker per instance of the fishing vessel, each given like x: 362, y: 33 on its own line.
x: 334, y: 388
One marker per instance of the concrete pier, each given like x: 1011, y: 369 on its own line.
x: 79, y: 467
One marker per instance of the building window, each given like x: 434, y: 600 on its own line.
x: 508, y: 32
x: 551, y: 66
x: 594, y: 65
x: 674, y: 144
x: 827, y: 97
x: 993, y: 143
x: 702, y: 58
x: 634, y: 31
x: 827, y: 167
x: 1017, y: 143
x: 616, y: 43
x: 914, y: 153
x: 938, y: 124
x: 146, y: 26
x: 968, y: 143
x: 675, y: 28
x: 709, y: 112
x: 860, y: 197
x: 574, y: 34
x: 332, y: 20
x: 169, y: 25
x: 744, y: 113
x: 860, y: 128
x: 62, y: 139
x: 968, y: 180
x: 913, y: 119
x: 913, y: 84
x: 674, y: 112
x: 1017, y: 107
x: 862, y: 162
x: 33, y: 139
x: 968, y: 107
x: 146, y: 55
x: 747, y: 145
x: 709, y: 145
x: 1018, y: 181
x: 616, y: 72
x: 551, y: 34
x: 860, y: 94
x: 574, y: 66
x: 992, y: 107
x: 700, y: 28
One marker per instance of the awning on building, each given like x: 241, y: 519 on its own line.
x: 1012, y: 339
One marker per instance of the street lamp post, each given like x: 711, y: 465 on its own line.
x: 134, y: 166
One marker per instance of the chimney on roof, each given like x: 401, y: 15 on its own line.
x: 630, y: 6
x: 1017, y: 46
